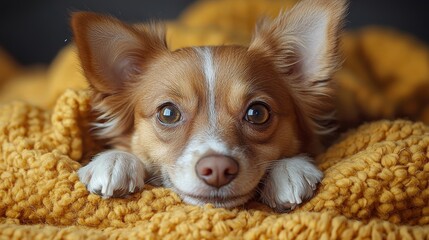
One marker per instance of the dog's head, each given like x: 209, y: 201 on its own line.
x: 213, y: 119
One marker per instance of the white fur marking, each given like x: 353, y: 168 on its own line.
x: 112, y: 171
x: 187, y: 183
x: 290, y: 182
x: 210, y: 77
x: 194, y: 151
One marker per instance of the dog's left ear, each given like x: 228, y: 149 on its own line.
x: 303, y: 40
x: 303, y: 46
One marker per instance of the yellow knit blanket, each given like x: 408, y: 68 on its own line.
x: 376, y: 181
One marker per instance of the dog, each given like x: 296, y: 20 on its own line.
x: 216, y: 124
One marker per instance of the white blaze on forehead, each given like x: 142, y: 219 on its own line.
x: 210, y: 77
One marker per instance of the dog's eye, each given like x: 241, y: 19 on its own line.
x: 257, y: 113
x: 169, y: 114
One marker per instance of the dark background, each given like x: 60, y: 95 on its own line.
x: 34, y: 31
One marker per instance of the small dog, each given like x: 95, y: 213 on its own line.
x: 218, y: 124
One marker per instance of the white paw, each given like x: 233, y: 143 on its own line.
x: 290, y: 182
x: 113, y: 174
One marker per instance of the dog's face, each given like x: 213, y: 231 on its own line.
x: 212, y: 120
x: 222, y: 109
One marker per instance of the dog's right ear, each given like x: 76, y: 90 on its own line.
x: 113, y: 57
x: 112, y: 53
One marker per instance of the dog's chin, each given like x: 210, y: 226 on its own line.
x: 220, y: 199
x: 220, y: 202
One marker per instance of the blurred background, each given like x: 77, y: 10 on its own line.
x: 34, y: 31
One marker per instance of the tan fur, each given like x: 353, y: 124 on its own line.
x: 180, y: 82
x: 245, y: 77
x: 312, y: 93
x: 133, y: 74
x: 113, y: 54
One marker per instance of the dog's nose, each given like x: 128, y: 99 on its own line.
x: 216, y: 170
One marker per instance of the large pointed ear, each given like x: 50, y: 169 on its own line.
x: 113, y: 56
x: 303, y: 46
x: 112, y: 53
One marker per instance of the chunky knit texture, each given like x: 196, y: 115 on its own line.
x: 376, y: 176
x: 376, y: 183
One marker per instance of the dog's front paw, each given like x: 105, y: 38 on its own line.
x: 113, y: 174
x: 290, y: 182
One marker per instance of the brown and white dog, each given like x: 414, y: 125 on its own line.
x: 218, y: 124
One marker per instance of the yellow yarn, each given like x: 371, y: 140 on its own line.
x: 376, y: 177
x: 376, y: 184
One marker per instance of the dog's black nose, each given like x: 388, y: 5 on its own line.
x: 217, y: 170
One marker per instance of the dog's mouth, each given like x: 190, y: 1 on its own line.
x: 195, y: 192
x: 218, y: 200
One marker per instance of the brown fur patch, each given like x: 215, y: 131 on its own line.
x: 133, y: 74
x: 285, y: 40
x: 175, y: 78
